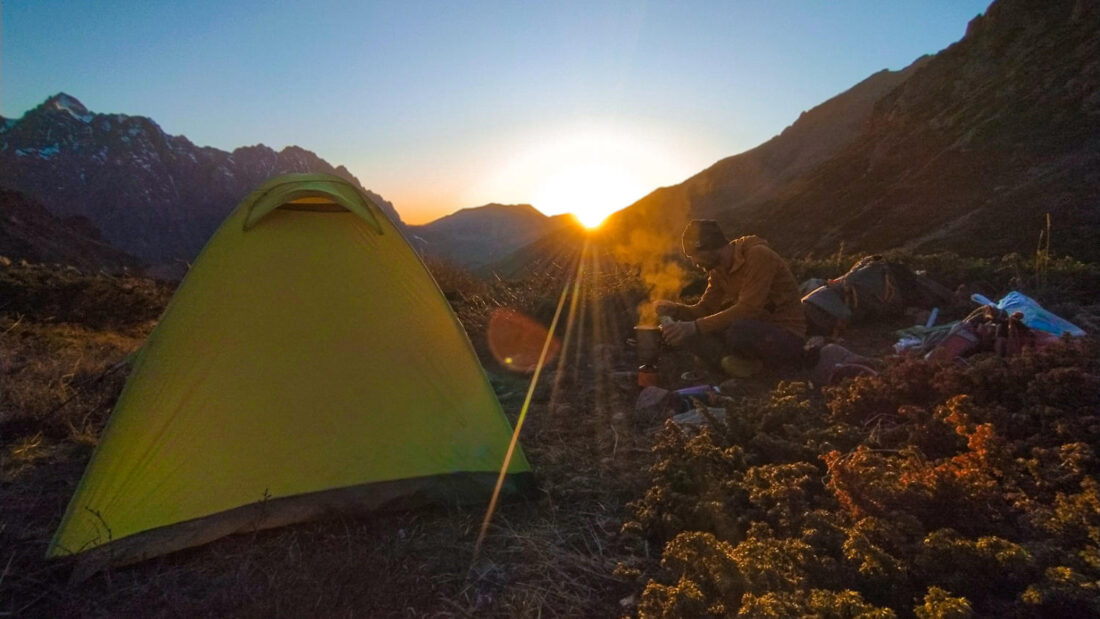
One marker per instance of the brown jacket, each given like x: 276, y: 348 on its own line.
x: 756, y: 285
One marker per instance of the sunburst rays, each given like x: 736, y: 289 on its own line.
x: 591, y: 287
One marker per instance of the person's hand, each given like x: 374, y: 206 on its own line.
x: 676, y: 333
x: 664, y: 307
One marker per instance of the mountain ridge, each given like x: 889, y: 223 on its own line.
x: 755, y: 174
x: 476, y: 236
x: 971, y: 153
x: 154, y: 195
x: 968, y: 153
x: 28, y: 231
x: 965, y: 150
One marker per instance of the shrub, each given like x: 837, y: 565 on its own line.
x: 940, y: 490
x: 65, y: 294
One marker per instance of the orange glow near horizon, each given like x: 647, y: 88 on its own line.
x: 589, y: 170
x: 590, y: 191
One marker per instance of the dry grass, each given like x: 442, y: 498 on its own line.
x: 554, y: 556
x: 60, y: 379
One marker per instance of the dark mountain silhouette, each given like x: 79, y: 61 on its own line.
x: 30, y: 232
x: 154, y: 195
x: 758, y: 174
x: 474, y: 237
x: 653, y: 224
x: 967, y: 150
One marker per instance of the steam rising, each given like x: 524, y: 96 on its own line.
x: 649, y: 249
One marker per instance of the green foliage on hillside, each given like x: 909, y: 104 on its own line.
x: 1055, y: 279
x: 47, y: 293
x: 931, y: 490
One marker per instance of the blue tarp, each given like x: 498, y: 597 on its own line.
x: 1035, y: 316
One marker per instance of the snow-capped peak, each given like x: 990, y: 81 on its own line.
x: 67, y: 103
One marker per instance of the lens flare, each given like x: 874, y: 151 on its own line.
x: 517, y: 340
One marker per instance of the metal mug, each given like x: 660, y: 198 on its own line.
x: 648, y: 343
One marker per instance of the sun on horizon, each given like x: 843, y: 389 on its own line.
x: 588, y: 190
x: 589, y: 170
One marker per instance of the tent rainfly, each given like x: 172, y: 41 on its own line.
x: 307, y: 364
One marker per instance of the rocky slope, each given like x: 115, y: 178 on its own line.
x: 154, y: 195
x: 967, y: 150
x: 473, y: 237
x: 30, y: 232
x: 973, y: 151
x: 758, y: 174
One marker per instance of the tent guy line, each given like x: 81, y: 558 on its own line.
x: 527, y: 403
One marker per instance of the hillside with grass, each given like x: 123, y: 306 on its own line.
x: 899, y: 495
x: 30, y: 232
x: 970, y: 150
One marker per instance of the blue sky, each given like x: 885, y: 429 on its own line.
x: 444, y: 105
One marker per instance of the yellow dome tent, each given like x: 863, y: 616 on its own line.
x: 307, y: 364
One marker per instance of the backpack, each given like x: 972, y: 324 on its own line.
x: 874, y: 287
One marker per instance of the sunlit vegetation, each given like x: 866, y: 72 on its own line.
x: 934, y: 490
x: 1055, y: 279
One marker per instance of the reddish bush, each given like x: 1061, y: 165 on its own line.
x: 938, y: 490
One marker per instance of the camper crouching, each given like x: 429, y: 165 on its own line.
x: 750, y: 315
